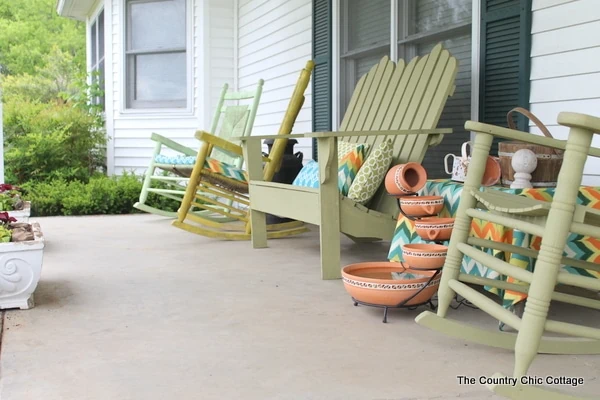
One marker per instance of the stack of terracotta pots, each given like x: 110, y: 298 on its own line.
x: 404, y: 181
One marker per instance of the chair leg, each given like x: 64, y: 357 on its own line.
x: 194, y: 181
x: 538, y: 299
x: 462, y: 224
x: 330, y: 252
x: 258, y: 226
x: 551, y: 251
x: 149, y: 174
x: 329, y: 223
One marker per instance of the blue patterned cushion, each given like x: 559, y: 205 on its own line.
x: 308, y: 176
x: 175, y: 160
x: 212, y: 164
x: 349, y: 165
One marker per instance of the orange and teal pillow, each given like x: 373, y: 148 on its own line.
x: 348, y: 167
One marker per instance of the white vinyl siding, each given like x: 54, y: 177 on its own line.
x: 565, y: 66
x: 220, y: 51
x: 274, y: 44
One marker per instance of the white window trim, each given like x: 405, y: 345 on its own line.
x: 475, y: 61
x: 159, y: 112
x: 394, y: 55
x: 98, y: 8
x: 91, y: 20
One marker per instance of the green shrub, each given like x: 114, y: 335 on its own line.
x: 45, y: 141
x: 101, y: 195
x: 51, y: 127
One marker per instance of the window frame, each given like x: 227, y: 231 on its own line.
x: 93, y: 25
x: 178, y: 107
x: 401, y: 46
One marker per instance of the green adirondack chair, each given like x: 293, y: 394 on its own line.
x: 553, y: 222
x: 398, y: 102
x: 231, y: 119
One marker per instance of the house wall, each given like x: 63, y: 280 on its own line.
x: 565, y: 66
x: 274, y: 40
x: 220, y: 57
x: 130, y: 148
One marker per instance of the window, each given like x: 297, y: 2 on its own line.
x: 155, y: 54
x: 97, y: 56
x: 366, y: 37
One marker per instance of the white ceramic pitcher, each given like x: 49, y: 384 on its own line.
x: 459, y: 164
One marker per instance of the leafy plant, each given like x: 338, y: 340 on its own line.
x: 28, y: 31
x: 5, y: 234
x: 6, y: 219
x: 5, y: 187
x: 10, y: 198
x: 100, y: 195
x: 6, y: 202
x: 46, y: 141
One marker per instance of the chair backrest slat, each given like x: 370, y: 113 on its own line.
x: 289, y: 118
x: 233, y: 119
x: 401, y: 96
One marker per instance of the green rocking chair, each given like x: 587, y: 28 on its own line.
x: 231, y: 119
x: 553, y: 222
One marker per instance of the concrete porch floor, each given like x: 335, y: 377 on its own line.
x: 129, y: 307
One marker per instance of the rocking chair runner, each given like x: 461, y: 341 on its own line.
x: 401, y: 103
x: 229, y: 186
x: 553, y: 222
x: 232, y: 119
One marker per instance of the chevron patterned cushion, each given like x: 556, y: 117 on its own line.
x: 349, y: 165
x: 372, y: 173
x: 228, y: 170
x: 346, y: 147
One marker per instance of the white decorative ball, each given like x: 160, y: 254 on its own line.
x: 524, y: 160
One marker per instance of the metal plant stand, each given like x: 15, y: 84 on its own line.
x: 403, y: 304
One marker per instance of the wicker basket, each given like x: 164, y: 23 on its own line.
x: 549, y: 160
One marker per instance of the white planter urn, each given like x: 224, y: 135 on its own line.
x: 21, y: 215
x: 20, y: 270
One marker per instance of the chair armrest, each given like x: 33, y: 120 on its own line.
x: 521, y: 136
x: 575, y: 120
x: 173, y: 145
x: 222, y: 144
x: 340, y: 134
x: 263, y: 137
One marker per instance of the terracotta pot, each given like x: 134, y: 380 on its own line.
x: 422, y: 206
x: 371, y: 282
x: 405, y: 179
x: 492, y: 173
x: 424, y: 255
x: 435, y: 228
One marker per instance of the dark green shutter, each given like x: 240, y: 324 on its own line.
x: 505, y: 60
x: 321, y: 82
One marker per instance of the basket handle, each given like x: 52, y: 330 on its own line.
x: 528, y: 114
x: 531, y: 117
